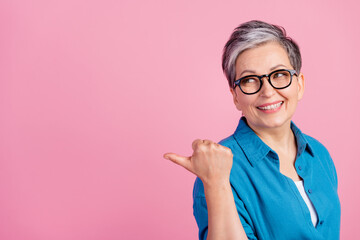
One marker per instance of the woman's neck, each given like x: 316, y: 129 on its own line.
x: 280, y: 139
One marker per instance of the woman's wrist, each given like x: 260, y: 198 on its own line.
x: 216, y: 184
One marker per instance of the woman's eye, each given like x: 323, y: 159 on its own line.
x: 277, y: 75
x: 249, y: 80
x: 282, y: 75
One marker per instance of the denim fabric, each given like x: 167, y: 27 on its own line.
x: 268, y: 203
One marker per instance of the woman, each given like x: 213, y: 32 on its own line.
x: 268, y: 180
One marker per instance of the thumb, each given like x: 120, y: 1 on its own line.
x: 180, y: 160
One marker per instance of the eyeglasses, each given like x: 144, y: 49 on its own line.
x: 278, y: 79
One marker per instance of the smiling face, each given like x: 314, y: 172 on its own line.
x: 269, y: 108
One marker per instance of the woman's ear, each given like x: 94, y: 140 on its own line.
x: 236, y: 102
x: 301, y: 86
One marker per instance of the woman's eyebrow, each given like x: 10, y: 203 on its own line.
x: 252, y: 71
x: 249, y: 71
x: 279, y: 65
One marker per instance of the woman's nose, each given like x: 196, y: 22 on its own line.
x: 267, y: 90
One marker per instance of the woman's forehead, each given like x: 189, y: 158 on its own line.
x: 262, y: 58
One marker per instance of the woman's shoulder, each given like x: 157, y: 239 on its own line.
x: 228, y: 141
x: 321, y: 153
x: 316, y: 146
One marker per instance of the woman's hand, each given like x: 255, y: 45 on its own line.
x: 210, y: 161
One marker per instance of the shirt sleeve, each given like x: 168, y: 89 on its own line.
x: 201, y: 213
x: 244, y: 217
x: 327, y: 161
x: 201, y: 216
x: 333, y: 170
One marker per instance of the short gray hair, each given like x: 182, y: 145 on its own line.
x: 252, y: 34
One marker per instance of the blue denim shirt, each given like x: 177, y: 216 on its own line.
x: 268, y: 203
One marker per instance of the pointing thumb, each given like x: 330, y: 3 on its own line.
x: 180, y: 160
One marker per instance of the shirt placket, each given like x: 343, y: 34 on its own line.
x: 304, y: 171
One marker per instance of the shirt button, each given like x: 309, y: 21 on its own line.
x: 310, y: 191
x: 321, y: 222
x: 299, y: 167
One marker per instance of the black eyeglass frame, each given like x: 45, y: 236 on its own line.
x: 291, y: 71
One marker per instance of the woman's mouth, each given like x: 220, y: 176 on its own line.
x: 270, y: 107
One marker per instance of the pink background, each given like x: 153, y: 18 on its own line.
x: 92, y: 93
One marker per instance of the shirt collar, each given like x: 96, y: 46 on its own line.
x: 255, y: 149
x: 302, y: 143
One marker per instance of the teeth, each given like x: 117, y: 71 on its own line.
x: 271, y: 107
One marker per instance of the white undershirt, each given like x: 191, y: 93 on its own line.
x: 300, y: 186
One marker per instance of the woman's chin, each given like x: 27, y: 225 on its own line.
x: 272, y: 123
